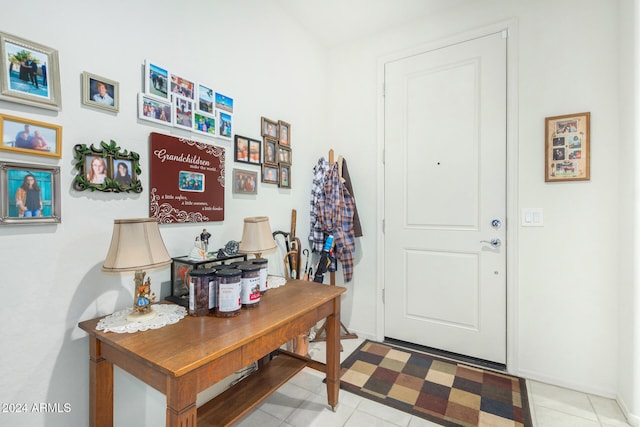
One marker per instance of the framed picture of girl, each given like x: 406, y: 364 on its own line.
x: 29, y: 194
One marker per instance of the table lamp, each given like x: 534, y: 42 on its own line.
x: 256, y: 236
x: 136, y: 244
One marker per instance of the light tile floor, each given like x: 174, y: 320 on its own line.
x: 302, y: 402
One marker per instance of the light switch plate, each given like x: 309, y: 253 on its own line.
x: 532, y: 217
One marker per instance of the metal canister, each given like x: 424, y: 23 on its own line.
x: 264, y: 273
x: 250, y: 285
x: 228, y: 295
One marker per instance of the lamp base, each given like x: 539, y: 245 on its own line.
x: 140, y: 317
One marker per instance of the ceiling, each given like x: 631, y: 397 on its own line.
x: 340, y: 21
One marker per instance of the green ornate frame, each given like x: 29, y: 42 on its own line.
x: 111, y: 153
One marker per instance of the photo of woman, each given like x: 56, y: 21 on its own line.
x: 123, y: 177
x: 97, y: 170
x: 28, y: 200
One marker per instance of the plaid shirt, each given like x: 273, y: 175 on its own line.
x: 316, y: 235
x: 335, y: 214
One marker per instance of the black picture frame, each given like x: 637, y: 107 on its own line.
x: 247, y: 150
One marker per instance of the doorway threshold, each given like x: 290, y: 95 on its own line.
x: 473, y: 361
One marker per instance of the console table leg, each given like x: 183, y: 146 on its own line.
x: 333, y: 354
x: 100, y: 387
x: 181, y: 402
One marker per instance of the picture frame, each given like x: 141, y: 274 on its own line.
x: 154, y: 109
x: 255, y: 152
x: 270, y: 151
x: 46, y: 139
x: 269, y: 174
x: 191, y: 181
x: 156, y: 80
x: 284, y: 155
x: 567, y: 148
x: 204, y: 124
x: 224, y: 103
x: 100, y: 92
x: 284, y: 177
x: 182, y: 87
x: 284, y: 133
x: 107, y: 168
x: 22, y: 77
x: 15, y: 179
x: 245, y: 182
x: 247, y: 150
x: 225, y: 125
x: 205, y: 99
x: 269, y: 128
x: 183, y: 112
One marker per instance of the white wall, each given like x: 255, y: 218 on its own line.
x: 567, y: 311
x: 629, y: 298
x: 51, y: 274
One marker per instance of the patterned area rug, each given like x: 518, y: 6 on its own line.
x: 445, y: 392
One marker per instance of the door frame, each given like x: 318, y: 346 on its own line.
x: 512, y: 212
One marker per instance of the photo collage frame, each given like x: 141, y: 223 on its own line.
x: 277, y: 157
x: 171, y: 99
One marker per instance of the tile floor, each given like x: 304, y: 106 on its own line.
x: 302, y: 402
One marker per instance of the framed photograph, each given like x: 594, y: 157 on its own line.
x: 269, y: 128
x: 182, y: 112
x: 29, y: 194
x: 30, y: 137
x: 204, y: 124
x: 205, y: 99
x: 224, y: 103
x: 182, y: 87
x: 245, y: 182
x: 225, y: 125
x: 241, y: 149
x: 284, y: 177
x: 255, y: 151
x: 269, y: 174
x: 567, y: 146
x: 156, y: 80
x: 100, y: 92
x: 108, y: 168
x: 155, y: 109
x: 29, y: 73
x: 284, y: 133
x: 284, y: 155
x: 270, y: 151
x: 191, y: 181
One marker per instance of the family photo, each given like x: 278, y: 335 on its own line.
x: 30, y: 137
x: 27, y: 70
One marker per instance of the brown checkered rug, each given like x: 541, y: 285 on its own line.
x: 445, y: 392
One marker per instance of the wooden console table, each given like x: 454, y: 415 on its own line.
x: 185, y: 358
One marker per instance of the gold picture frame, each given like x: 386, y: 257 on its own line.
x: 40, y: 139
x: 567, y: 148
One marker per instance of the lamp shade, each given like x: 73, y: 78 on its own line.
x: 136, y: 244
x: 256, y: 236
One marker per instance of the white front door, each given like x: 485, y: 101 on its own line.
x: 445, y: 192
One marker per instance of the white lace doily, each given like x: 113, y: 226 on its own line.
x: 275, y: 281
x: 166, y: 314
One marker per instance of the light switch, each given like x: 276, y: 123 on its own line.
x: 532, y: 217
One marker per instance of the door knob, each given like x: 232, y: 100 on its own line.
x: 496, y: 223
x: 493, y: 242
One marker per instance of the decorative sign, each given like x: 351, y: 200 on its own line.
x: 186, y: 180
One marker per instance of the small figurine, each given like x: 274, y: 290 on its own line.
x: 197, y: 253
x: 204, y: 239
